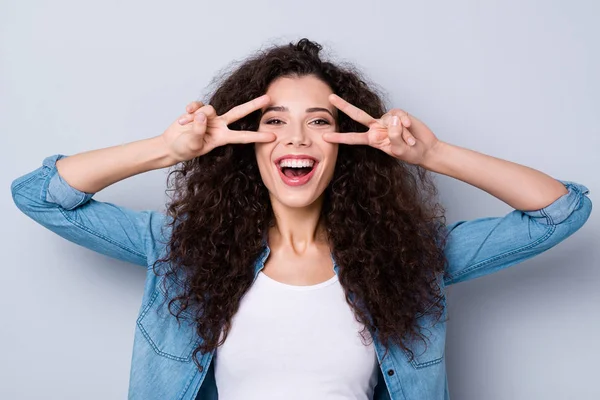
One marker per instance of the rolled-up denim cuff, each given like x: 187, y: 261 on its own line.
x: 57, y: 190
x: 562, y: 207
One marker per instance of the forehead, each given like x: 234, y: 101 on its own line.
x: 305, y: 89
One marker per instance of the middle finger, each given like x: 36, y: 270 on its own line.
x: 244, y: 109
x: 351, y: 110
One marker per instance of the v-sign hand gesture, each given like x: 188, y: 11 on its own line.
x: 389, y: 133
x: 200, y: 130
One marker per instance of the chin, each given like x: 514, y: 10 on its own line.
x: 295, y: 201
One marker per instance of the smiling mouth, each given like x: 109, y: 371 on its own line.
x: 296, y: 174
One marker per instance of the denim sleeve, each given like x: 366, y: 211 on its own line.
x: 118, y: 232
x: 482, y: 246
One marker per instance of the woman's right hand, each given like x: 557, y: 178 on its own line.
x: 200, y: 130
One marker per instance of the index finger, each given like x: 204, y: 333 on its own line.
x: 245, y: 137
x: 351, y: 110
x: 244, y: 109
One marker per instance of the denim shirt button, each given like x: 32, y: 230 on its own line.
x: 390, y: 372
x: 201, y: 368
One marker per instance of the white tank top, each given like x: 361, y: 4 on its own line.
x: 295, y: 342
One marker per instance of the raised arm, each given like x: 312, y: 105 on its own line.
x: 521, y: 187
x: 547, y: 210
x: 58, y: 195
x: 68, y: 210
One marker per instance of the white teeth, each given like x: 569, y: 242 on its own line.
x: 296, y: 163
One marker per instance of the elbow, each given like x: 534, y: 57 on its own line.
x: 574, y: 221
x: 583, y: 212
x: 21, y: 192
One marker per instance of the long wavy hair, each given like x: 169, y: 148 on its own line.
x: 382, y: 219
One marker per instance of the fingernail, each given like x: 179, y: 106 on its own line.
x: 406, y: 121
x: 200, y: 117
x: 395, y: 120
x: 411, y: 141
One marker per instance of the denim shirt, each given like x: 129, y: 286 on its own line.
x: 162, y: 366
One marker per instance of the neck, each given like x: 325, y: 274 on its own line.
x: 297, y: 229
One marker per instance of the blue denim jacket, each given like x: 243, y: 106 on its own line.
x: 162, y: 367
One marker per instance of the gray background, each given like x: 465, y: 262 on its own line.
x: 515, y: 79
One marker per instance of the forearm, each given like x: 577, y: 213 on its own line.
x: 521, y: 187
x: 92, y: 171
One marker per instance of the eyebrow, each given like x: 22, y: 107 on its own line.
x: 308, y: 110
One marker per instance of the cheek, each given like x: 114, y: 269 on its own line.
x: 334, y: 150
x: 261, y: 152
x: 333, y: 155
x: 330, y: 150
x: 263, y: 159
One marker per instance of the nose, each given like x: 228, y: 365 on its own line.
x: 297, y: 136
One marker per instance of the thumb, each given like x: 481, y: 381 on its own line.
x: 194, y: 139
x: 199, y: 124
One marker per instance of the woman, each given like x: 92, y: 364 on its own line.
x: 303, y: 254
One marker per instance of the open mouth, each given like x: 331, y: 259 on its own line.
x: 292, y: 172
x: 295, y: 172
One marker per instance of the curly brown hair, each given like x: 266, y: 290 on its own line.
x: 382, y: 219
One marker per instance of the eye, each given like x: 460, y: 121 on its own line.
x: 321, y: 121
x: 274, y: 121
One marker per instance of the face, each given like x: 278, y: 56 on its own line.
x: 299, y: 164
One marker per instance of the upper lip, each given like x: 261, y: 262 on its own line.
x: 295, y: 156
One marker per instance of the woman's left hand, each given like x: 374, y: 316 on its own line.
x: 390, y: 133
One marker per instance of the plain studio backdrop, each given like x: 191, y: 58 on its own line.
x: 514, y: 79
